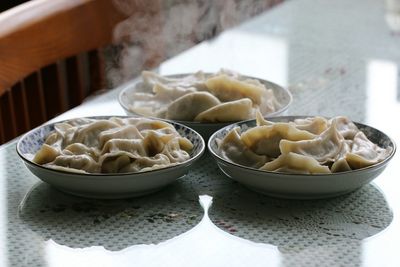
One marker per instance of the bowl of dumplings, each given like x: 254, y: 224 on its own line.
x: 205, y: 102
x: 110, y: 157
x: 301, y: 157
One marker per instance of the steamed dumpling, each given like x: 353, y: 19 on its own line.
x: 324, y: 148
x: 187, y: 107
x: 345, y: 126
x: 365, y: 153
x: 308, y: 146
x: 315, y: 125
x: 185, y: 97
x: 46, y: 154
x: 113, y: 145
x: 228, y: 111
x: 233, y: 149
x: 264, y: 140
x: 295, y: 163
x: 227, y: 89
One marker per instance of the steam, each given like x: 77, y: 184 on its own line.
x: 158, y: 30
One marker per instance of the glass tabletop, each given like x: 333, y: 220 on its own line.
x: 336, y: 58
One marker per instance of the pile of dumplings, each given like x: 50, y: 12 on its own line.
x: 115, y: 145
x: 306, y: 146
x: 221, y: 97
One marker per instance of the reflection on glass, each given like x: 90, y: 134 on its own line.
x: 329, y: 231
x: 3, y: 222
x: 203, y: 245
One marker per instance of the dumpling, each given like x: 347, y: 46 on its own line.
x: 124, y: 132
x: 115, y: 164
x: 260, y: 121
x: 365, y: 153
x: 345, y: 126
x: 174, y: 153
x: 88, y: 134
x: 264, y: 140
x: 81, y: 149
x: 79, y: 162
x: 135, y: 147
x: 315, y: 125
x: 295, y: 163
x: 227, y: 89
x: 147, y: 164
x: 228, y: 111
x: 340, y: 165
x: 194, y: 80
x: 168, y: 93
x: 148, y: 124
x: 113, y: 145
x: 324, y: 148
x: 233, y: 149
x: 147, y: 104
x: 187, y: 107
x: 46, y: 154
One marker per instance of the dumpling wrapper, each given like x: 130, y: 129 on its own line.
x: 315, y: 125
x: 264, y: 140
x: 324, y: 148
x: 112, y: 146
x: 187, y: 107
x: 365, y: 153
x: 233, y: 149
x: 227, y: 88
x: 228, y: 111
x: 345, y: 126
x: 78, y: 162
x: 295, y: 163
x: 261, y: 121
x: 46, y: 154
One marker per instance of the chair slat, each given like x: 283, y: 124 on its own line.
x: 75, y: 83
x: 96, y: 71
x: 20, y: 108
x: 33, y: 90
x: 53, y: 90
x: 9, y: 129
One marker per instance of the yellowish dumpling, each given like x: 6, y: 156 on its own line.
x: 185, y: 97
x: 228, y: 111
x: 187, y: 107
x: 324, y: 148
x: 233, y: 148
x: 227, y: 89
x: 295, y: 163
x: 264, y: 140
x: 308, y: 146
x: 113, y: 146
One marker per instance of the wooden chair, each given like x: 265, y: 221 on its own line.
x: 51, y: 56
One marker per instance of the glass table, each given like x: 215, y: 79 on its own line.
x: 337, y: 58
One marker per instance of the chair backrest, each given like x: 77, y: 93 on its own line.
x: 51, y: 58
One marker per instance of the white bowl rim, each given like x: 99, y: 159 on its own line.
x: 178, y: 75
x: 311, y: 176
x: 97, y: 175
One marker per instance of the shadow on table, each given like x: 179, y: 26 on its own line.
x: 115, y: 224
x: 328, y: 231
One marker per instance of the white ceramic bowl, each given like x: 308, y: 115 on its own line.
x: 300, y: 186
x: 283, y: 96
x: 119, y: 185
